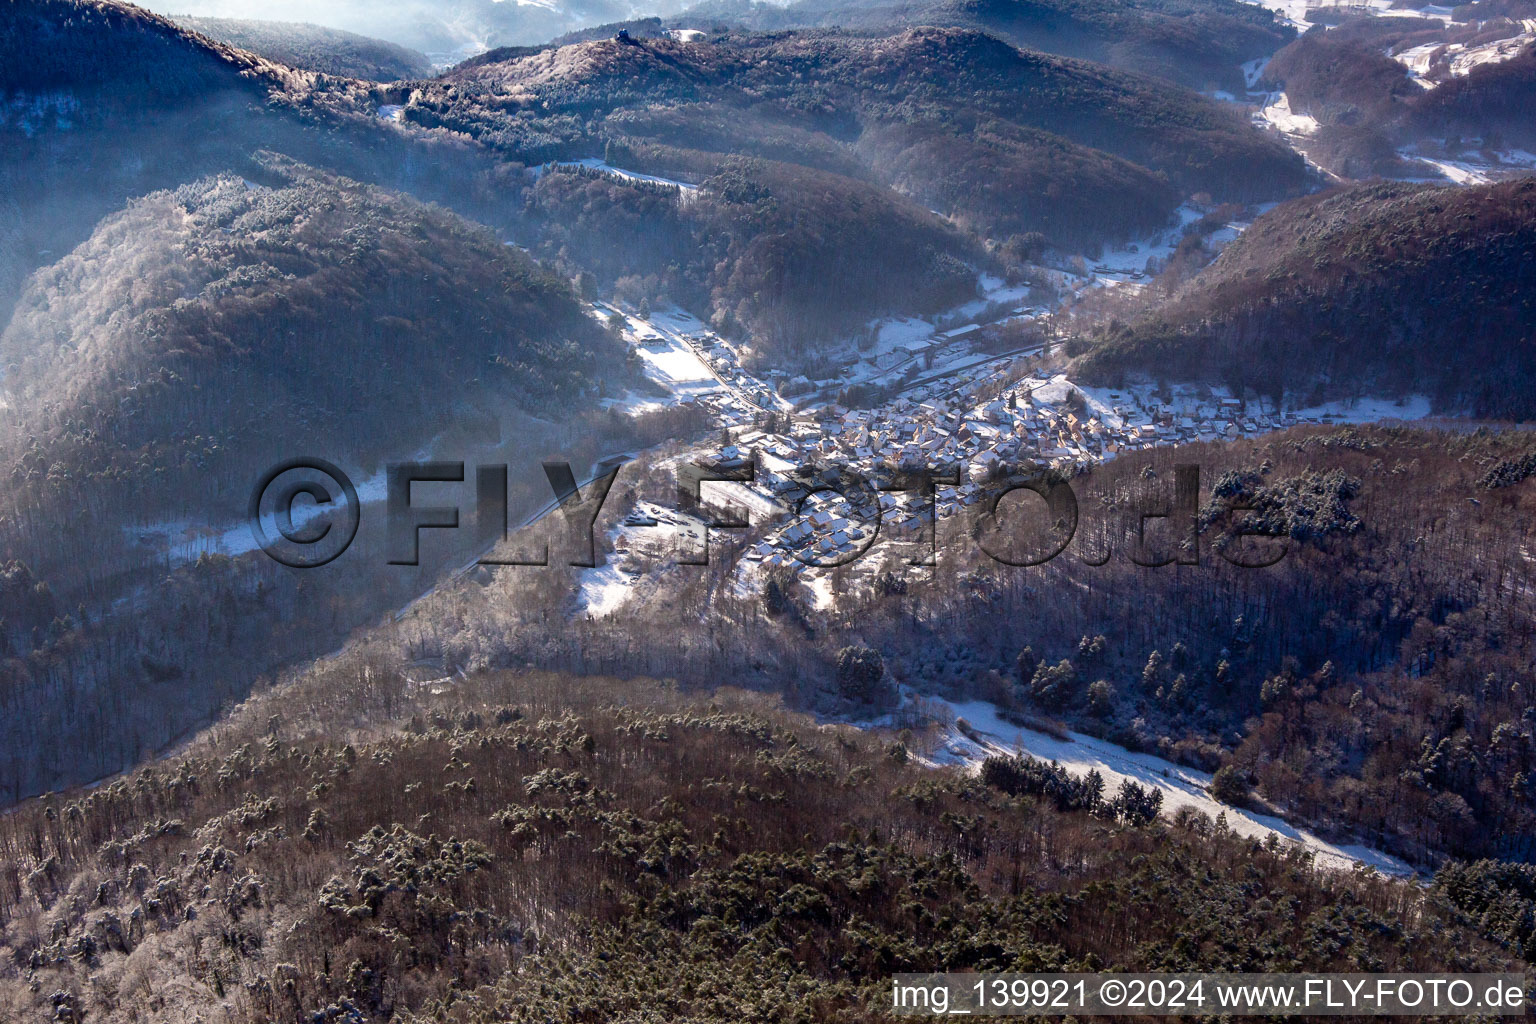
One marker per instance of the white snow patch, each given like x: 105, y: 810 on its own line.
x: 1254, y: 70
x: 1368, y: 410
x: 618, y: 172
x: 633, y: 403
x: 184, y: 540
x: 738, y: 496
x: 1291, y: 12
x: 604, y: 590
x: 1278, y: 114
x: 821, y: 589
x: 1461, y: 172
x: 666, y: 357
x: 1471, y: 168
x: 1465, y: 58
x: 1416, y: 60
x: 1127, y: 264
x: 678, y: 369
x: 1059, y: 389
x: 994, y: 290
x: 1458, y: 58
x: 905, y: 331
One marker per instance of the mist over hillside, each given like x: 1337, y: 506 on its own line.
x: 290, y: 302
x: 203, y: 335
x: 446, y: 31
x: 315, y: 48
x: 955, y: 119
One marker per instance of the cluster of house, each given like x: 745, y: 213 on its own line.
x: 1038, y: 423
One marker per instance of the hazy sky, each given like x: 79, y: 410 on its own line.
x: 432, y: 26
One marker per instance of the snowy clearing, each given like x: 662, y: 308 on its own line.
x: 1059, y: 389
x: 1369, y: 410
x: 1277, y: 114
x: 186, y: 541
x: 666, y: 357
x: 1458, y: 58
x: 604, y: 590
x: 598, y: 165
x: 1180, y: 786
x: 1471, y: 168
x: 1461, y: 172
x: 1295, y: 12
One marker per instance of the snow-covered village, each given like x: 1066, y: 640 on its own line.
x: 943, y: 401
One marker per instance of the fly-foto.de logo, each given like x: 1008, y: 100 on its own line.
x: 306, y: 512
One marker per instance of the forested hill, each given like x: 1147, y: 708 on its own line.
x: 527, y: 848
x: 205, y: 332
x: 823, y: 156
x: 101, y: 52
x: 131, y: 103
x: 818, y: 129
x: 1492, y: 102
x: 1386, y: 288
x: 841, y: 84
x: 1371, y: 111
x: 1197, y: 44
x: 315, y: 47
x: 128, y: 101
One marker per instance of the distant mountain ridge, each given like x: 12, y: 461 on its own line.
x: 93, y: 47
x: 1199, y: 45
x: 1017, y: 150
x: 315, y: 47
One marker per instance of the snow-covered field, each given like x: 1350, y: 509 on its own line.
x: 1198, y: 401
x: 1472, y: 168
x: 1294, y: 12
x: 994, y: 291
x: 1277, y: 114
x: 1127, y: 262
x: 1180, y: 786
x: 678, y: 369
x: 1458, y: 58
x: 1416, y: 60
x: 1368, y: 410
x: 1465, y: 58
x: 649, y: 536
x: 1097, y: 400
x: 604, y: 590
x: 185, y: 541
x: 665, y: 356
